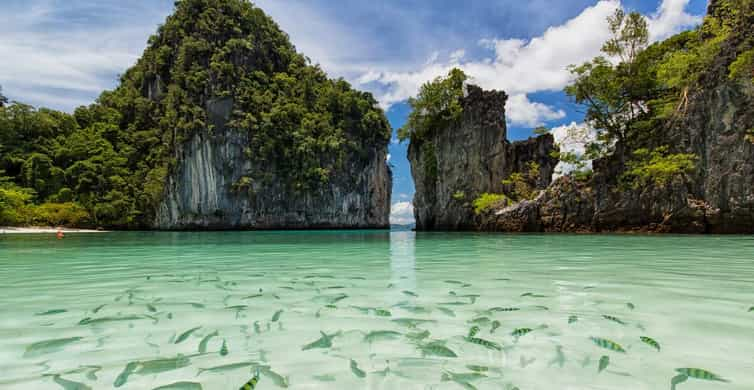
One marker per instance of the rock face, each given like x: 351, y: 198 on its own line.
x: 717, y: 198
x: 455, y: 165
x: 203, y: 192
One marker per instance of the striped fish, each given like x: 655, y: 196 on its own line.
x: 698, y: 373
x: 651, y: 342
x: 484, y: 343
x: 614, y: 319
x: 521, y: 332
x: 495, y: 324
x: 473, y: 331
x: 608, y: 344
x: 572, y: 319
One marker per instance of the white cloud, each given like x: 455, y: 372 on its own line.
x: 521, y: 67
x: 520, y: 110
x: 402, y: 213
x: 573, y: 138
x: 671, y: 18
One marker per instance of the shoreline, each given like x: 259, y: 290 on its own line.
x: 44, y: 230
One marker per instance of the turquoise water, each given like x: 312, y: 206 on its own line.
x: 145, y: 310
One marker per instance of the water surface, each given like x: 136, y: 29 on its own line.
x: 144, y: 310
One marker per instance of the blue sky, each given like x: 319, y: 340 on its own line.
x: 63, y: 53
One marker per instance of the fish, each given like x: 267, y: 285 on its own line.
x: 276, y: 378
x: 751, y: 309
x: 542, y: 307
x: 151, y: 308
x: 91, y: 374
x: 604, y: 362
x: 608, y: 344
x: 472, y: 297
x: 252, y: 383
x: 418, y: 336
x: 455, y: 303
x: 101, y: 320
x: 157, y: 366
x: 476, y: 368
x: 323, y: 342
x: 410, y: 293
x: 380, y: 335
x: 258, y: 329
x: 453, y: 282
x: 205, y: 341
x: 325, y: 378
x: 698, y: 373
x: 98, y: 308
x: 461, y: 377
x: 226, y: 367
x: 51, y: 312
x: 532, y: 295
x: 437, y: 349
x: 651, y: 342
x: 332, y: 299
x: 237, y: 307
x: 69, y: 385
x: 121, y: 379
x: 357, y: 278
x: 181, y: 386
x: 559, y: 358
x: 224, y: 348
x: 481, y: 321
x: 521, y: 332
x: 630, y: 306
x: 253, y: 296
x: 473, y: 331
x: 498, y: 309
x: 484, y: 343
x: 383, y: 313
x: 614, y: 319
x: 572, y: 319
x: 49, y: 346
x: 412, y: 322
x: 362, y: 310
x: 183, y: 336
x: 356, y: 370
x: 276, y: 316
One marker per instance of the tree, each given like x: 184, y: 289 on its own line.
x: 3, y: 99
x: 614, y: 93
x: 437, y: 105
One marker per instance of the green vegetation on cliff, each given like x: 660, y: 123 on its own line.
x: 437, y: 105
x: 637, y: 90
x: 107, y: 164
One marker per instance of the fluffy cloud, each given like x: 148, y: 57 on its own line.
x: 520, y: 67
x: 402, y: 213
x: 573, y: 138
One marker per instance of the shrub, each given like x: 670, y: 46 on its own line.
x: 657, y: 167
x: 487, y: 202
x: 437, y: 105
x: 56, y: 214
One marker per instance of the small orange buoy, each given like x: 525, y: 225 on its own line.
x: 60, y: 234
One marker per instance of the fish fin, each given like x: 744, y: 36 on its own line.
x: 678, y: 379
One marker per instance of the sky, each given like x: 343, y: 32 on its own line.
x: 64, y: 53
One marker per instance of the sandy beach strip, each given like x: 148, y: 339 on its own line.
x: 43, y: 230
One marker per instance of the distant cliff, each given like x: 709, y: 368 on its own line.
x: 455, y: 164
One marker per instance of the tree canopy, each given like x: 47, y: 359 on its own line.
x: 437, y: 105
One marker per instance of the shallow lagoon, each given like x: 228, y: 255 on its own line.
x: 167, y: 296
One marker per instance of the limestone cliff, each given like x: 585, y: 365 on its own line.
x: 203, y: 192
x: 240, y: 131
x: 454, y: 165
x: 717, y: 198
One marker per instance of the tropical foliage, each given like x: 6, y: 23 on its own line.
x: 488, y: 202
x: 436, y: 106
x: 107, y: 164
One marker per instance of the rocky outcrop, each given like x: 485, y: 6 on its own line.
x: 207, y: 189
x: 454, y: 165
x: 717, y: 198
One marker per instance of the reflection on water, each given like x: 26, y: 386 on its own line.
x: 346, y: 310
